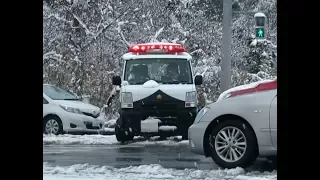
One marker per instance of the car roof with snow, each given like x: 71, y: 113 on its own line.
x: 156, y: 50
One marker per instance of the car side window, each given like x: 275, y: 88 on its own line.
x: 45, y: 101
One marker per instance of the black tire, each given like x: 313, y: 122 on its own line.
x: 272, y: 158
x: 119, y: 134
x: 52, y: 119
x: 185, y: 134
x: 123, y: 135
x: 251, y: 152
x: 185, y: 137
x: 130, y: 137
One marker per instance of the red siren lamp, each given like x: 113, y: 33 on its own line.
x: 156, y: 48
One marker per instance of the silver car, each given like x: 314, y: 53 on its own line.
x: 239, y: 127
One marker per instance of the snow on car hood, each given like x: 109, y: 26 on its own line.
x: 79, y: 104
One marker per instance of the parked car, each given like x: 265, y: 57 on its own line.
x: 64, y: 112
x: 239, y: 127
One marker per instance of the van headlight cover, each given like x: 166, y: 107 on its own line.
x: 191, y: 99
x: 126, y: 100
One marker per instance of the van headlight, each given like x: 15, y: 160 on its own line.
x: 200, y: 114
x: 126, y: 100
x: 191, y: 99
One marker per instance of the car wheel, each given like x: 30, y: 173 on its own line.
x: 122, y: 135
x: 52, y: 125
x: 233, y: 144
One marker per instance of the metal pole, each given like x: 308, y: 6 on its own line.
x: 226, y: 46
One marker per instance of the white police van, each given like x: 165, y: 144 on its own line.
x: 157, y: 91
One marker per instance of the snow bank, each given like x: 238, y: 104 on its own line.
x: 68, y: 139
x: 171, y: 141
x: 109, y: 129
x: 150, y: 172
x: 110, y: 124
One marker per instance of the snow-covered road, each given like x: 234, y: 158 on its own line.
x: 68, y: 139
x: 75, y: 157
x: 144, y: 172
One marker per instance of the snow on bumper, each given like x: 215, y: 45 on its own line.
x: 80, y: 123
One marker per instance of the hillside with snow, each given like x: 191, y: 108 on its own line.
x: 83, y: 41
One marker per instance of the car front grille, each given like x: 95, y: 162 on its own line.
x: 89, y: 114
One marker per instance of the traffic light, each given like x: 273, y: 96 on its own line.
x: 260, y: 33
x: 260, y: 25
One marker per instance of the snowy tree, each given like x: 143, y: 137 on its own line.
x: 83, y: 41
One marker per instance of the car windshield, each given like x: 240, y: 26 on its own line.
x: 56, y: 93
x: 163, y: 71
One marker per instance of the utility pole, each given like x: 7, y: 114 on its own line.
x: 226, y: 46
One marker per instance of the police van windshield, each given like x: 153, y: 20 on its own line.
x: 163, y: 71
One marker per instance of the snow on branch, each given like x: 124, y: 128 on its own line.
x: 199, y: 51
x: 122, y: 36
x: 56, y: 16
x: 104, y: 29
x: 154, y: 38
x: 88, y: 32
x: 124, y: 39
x: 53, y: 55
x: 177, y: 25
x: 113, y: 93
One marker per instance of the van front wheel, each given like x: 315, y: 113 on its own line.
x: 122, y: 135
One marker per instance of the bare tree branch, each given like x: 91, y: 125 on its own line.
x: 103, y: 30
x: 88, y: 32
x: 56, y: 16
x: 123, y: 38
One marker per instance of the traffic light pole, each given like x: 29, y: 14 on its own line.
x: 226, y: 46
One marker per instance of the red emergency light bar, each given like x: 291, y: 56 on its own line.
x: 157, y: 48
x: 259, y: 88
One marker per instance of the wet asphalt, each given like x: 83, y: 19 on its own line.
x: 124, y: 155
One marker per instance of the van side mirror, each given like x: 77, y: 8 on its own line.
x: 116, y: 80
x: 198, y: 80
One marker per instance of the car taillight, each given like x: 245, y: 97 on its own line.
x: 267, y: 86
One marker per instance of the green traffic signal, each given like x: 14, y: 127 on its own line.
x: 260, y: 32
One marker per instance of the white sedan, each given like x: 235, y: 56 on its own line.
x: 240, y: 126
x: 64, y: 112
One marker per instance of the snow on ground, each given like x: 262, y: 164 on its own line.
x: 68, y: 139
x: 109, y: 129
x: 171, y: 141
x: 147, y: 172
x: 110, y: 123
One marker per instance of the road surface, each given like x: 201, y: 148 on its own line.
x: 119, y: 156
